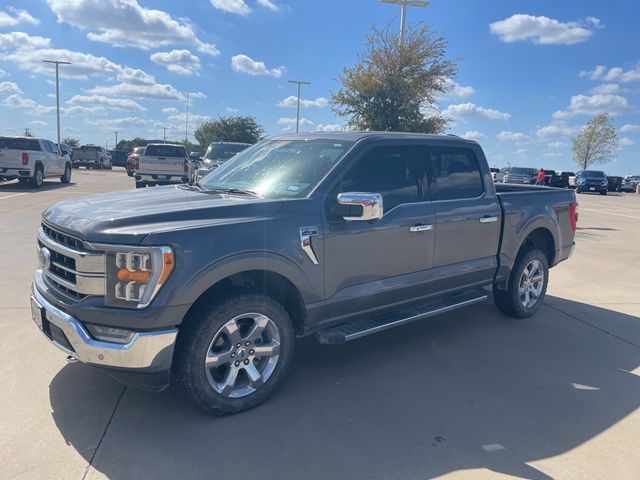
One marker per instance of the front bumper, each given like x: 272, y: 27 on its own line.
x: 592, y: 188
x: 146, y: 352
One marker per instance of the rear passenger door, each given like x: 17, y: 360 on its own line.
x: 467, y: 218
x: 51, y: 162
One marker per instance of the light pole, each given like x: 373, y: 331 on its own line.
x: 57, y: 63
x: 116, y: 132
x: 164, y: 133
x: 404, y: 4
x: 186, y: 123
x: 298, y: 82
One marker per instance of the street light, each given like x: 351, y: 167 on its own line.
x: 298, y: 82
x: 404, y: 4
x: 57, y: 63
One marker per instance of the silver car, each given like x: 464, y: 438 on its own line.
x: 217, y: 154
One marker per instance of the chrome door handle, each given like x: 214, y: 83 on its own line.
x: 420, y: 228
x: 488, y: 219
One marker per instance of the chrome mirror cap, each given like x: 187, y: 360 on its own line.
x: 371, y: 204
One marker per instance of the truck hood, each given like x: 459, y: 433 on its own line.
x: 127, y: 217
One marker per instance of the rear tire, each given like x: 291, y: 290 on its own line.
x: 528, y: 282
x: 237, y: 377
x: 38, y: 177
x: 139, y: 185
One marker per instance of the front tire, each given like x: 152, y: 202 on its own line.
x: 232, y: 355
x: 527, y: 285
x: 66, y: 178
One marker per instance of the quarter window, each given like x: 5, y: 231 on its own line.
x: 393, y: 172
x: 456, y: 172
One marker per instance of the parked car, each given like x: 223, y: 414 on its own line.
x: 91, y: 156
x: 614, y: 183
x: 630, y: 183
x: 501, y: 173
x: 163, y: 164
x: 521, y: 175
x: 556, y: 179
x: 340, y: 235
x: 494, y: 173
x: 195, y: 157
x: 31, y: 160
x: 591, y: 181
x: 65, y: 150
x: 133, y: 160
x: 217, y: 154
x: 118, y: 158
x: 571, y: 178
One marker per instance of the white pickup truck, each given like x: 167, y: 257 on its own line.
x: 32, y: 160
x: 163, y: 164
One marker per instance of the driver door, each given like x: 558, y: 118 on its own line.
x: 370, y: 264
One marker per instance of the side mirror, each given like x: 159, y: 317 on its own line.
x: 371, y: 204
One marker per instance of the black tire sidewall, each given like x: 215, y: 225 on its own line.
x: 194, y: 341
x: 514, y: 282
x: 66, y: 177
x: 34, y: 179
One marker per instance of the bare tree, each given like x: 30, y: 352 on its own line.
x: 596, y: 143
x: 395, y: 85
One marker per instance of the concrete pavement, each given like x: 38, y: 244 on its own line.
x: 471, y: 394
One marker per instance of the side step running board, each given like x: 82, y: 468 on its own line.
x: 383, y: 321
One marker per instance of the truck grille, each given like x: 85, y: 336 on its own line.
x: 68, y: 266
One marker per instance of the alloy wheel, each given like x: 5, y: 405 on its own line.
x: 531, y: 283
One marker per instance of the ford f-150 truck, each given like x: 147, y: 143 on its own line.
x: 163, y: 164
x: 340, y: 235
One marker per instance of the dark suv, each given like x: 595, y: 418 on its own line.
x: 594, y: 181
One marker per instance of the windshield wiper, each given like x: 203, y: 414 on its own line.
x: 232, y: 191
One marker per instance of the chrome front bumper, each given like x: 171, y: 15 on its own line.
x: 152, y: 351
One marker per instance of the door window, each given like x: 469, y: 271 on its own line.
x: 456, y: 172
x: 394, y: 172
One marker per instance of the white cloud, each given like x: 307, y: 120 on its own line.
x: 14, y: 16
x: 119, y: 122
x: 516, y: 137
x: 115, y: 103
x: 85, y: 111
x: 193, y: 118
x: 615, y: 74
x: 238, y: 7
x: 135, y: 76
x: 593, y: 105
x: 555, y: 130
x: 156, y: 91
x: 543, y: 30
x: 329, y: 127
x: 626, y: 142
x: 465, y: 111
x: 630, y: 128
x: 2, y: 73
x: 12, y: 40
x: 557, y: 144
x: 27, y: 105
x: 606, y: 89
x: 170, y: 110
x: 455, y: 90
x: 245, y: 64
x: 182, y: 62
x: 9, y: 87
x: 292, y: 101
x: 231, y: 110
x: 290, y: 123
x: 473, y: 135
x: 269, y: 4
x: 125, y: 23
x: 38, y: 123
x: 553, y: 154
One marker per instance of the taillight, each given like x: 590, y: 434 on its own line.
x: 135, y: 162
x: 25, y: 158
x: 573, y: 215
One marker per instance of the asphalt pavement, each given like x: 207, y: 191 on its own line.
x: 469, y: 394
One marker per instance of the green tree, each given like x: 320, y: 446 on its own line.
x: 596, y: 143
x: 129, y: 145
x: 395, y: 85
x: 71, y: 141
x: 239, y: 128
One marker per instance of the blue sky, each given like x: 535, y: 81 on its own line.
x: 531, y: 72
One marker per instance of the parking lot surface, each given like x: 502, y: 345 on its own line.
x: 469, y: 394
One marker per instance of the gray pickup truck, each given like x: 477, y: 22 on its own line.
x: 339, y: 235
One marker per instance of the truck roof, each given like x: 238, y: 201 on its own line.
x: 357, y: 136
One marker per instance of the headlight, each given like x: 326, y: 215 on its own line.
x: 136, y: 274
x: 604, y: 183
x: 580, y: 181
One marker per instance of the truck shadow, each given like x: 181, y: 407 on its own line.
x: 14, y: 186
x: 471, y: 389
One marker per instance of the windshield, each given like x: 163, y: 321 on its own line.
x: 224, y: 151
x: 278, y: 168
x: 523, y: 171
x: 592, y: 174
